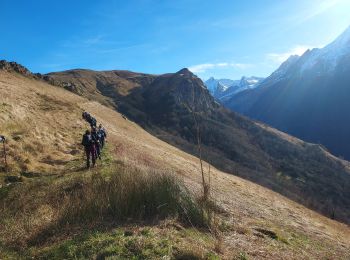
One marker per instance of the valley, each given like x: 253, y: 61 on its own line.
x: 307, y: 97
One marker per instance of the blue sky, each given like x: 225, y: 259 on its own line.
x: 224, y: 39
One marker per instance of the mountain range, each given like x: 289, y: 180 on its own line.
x: 307, y: 97
x: 223, y: 89
x: 54, y: 208
x: 172, y: 106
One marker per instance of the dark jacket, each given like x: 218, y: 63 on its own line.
x: 87, y: 141
x: 102, y: 133
x: 96, y: 137
x: 93, y: 121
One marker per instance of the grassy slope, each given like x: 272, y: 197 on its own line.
x: 303, y: 172
x: 45, y: 121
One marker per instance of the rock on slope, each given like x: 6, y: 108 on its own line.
x: 259, y: 222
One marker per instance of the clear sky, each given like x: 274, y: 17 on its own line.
x: 222, y: 38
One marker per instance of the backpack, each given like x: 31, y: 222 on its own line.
x: 98, y: 135
x: 87, y: 140
x: 101, y: 133
x: 104, y: 132
x: 95, y: 137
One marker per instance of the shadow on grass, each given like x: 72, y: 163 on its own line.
x: 129, y: 195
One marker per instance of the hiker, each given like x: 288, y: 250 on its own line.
x: 90, y: 119
x: 85, y: 115
x: 90, y: 149
x: 3, y: 140
x: 102, y: 131
x: 93, y: 122
x: 96, y: 137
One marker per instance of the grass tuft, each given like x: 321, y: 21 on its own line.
x: 131, y: 194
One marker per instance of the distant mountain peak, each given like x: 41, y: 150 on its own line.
x: 282, y: 72
x: 339, y: 47
x: 327, y: 58
x: 343, y: 40
x: 185, y: 72
x: 304, y: 93
x: 293, y: 58
x: 224, y: 88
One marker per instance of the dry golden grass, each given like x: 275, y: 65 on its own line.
x: 44, y: 125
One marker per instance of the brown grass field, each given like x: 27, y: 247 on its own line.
x: 44, y: 127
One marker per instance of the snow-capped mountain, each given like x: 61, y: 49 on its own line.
x: 307, y: 96
x: 283, y: 71
x: 328, y: 58
x: 213, y: 84
x: 225, y: 88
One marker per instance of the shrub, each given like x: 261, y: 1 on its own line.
x: 132, y: 194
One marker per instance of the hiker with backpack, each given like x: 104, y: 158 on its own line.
x: 3, y: 141
x: 102, y: 132
x: 85, y: 115
x: 90, y: 148
x: 90, y: 119
x: 93, y: 122
x: 96, y: 137
x: 93, y: 140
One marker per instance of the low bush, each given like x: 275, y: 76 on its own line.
x: 131, y: 195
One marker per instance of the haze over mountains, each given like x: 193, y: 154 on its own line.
x: 307, y: 97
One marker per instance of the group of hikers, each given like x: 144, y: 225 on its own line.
x: 93, y: 140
